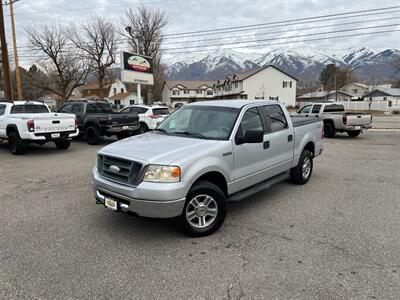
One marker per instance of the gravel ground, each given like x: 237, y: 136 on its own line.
x: 338, y: 237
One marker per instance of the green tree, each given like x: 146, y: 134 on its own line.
x: 333, y: 77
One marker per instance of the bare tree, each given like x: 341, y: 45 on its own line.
x: 98, y: 41
x: 144, y: 32
x: 64, y: 69
x: 375, y: 79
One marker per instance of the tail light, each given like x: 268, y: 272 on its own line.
x: 31, y: 125
x: 155, y: 116
x: 345, y: 120
x: 76, y: 121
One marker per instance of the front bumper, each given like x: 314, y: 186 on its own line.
x: 153, y: 200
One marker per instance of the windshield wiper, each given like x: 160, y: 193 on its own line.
x: 160, y: 129
x: 193, y: 133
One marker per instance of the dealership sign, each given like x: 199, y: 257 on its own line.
x: 136, y: 68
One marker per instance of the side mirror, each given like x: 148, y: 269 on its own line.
x: 251, y: 137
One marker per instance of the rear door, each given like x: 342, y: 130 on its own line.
x: 249, y: 159
x: 281, y: 140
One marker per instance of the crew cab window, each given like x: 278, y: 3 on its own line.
x: 29, y: 109
x: 333, y: 108
x: 2, y: 109
x: 66, y: 108
x: 76, y: 108
x: 98, y: 108
x: 305, y: 110
x: 316, y: 109
x: 251, y: 121
x: 276, y: 116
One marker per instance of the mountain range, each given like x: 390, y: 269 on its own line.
x: 302, y: 62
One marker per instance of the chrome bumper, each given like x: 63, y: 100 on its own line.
x: 143, y: 208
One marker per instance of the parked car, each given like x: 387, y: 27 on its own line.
x: 149, y: 116
x: 336, y: 119
x: 26, y: 122
x: 96, y: 119
x: 203, y: 155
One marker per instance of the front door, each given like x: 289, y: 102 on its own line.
x: 249, y: 159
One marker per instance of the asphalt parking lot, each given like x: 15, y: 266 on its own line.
x: 338, y: 237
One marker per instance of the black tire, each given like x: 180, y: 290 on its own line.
x: 62, y: 145
x: 297, y: 174
x: 16, y: 145
x: 143, y: 128
x: 329, y: 130
x: 92, y: 135
x: 122, y: 136
x: 218, y: 202
x: 354, y: 133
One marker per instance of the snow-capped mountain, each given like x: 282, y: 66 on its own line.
x: 302, y: 62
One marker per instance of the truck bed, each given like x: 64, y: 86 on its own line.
x: 300, y: 121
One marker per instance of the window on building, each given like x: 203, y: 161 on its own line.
x: 285, y: 84
x: 115, y: 91
x: 276, y: 117
x: 199, y: 91
x: 274, y: 98
x: 243, y: 96
x: 209, y: 92
x: 131, y: 102
x: 384, y: 98
x: 122, y: 90
x: 355, y: 91
x: 186, y: 92
x: 117, y: 102
x: 88, y: 92
x: 389, y: 105
x: 236, y: 85
x: 290, y: 84
x: 175, y: 92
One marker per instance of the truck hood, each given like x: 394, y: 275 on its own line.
x: 156, y: 148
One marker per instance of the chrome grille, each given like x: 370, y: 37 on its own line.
x: 127, y: 171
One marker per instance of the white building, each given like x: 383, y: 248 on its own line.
x: 91, y: 90
x: 389, y: 96
x: 121, y: 100
x: 268, y: 83
x: 359, y: 90
x: 323, y: 96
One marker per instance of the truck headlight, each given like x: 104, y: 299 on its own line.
x: 157, y: 173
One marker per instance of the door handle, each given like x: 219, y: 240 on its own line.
x: 266, y: 145
x: 307, y: 115
x: 290, y: 138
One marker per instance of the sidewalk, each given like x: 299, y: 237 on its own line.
x: 386, y: 122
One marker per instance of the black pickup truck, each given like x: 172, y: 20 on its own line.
x: 96, y: 119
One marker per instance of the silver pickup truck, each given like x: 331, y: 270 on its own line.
x: 203, y: 155
x: 336, y: 119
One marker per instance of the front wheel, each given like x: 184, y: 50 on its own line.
x: 302, y: 172
x: 16, y: 145
x: 205, y: 209
x: 62, y: 145
x: 354, y: 133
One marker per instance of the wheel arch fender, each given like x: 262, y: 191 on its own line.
x: 11, y: 128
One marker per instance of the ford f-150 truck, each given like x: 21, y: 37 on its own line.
x: 96, y: 119
x: 24, y: 122
x: 203, y: 155
x: 336, y: 119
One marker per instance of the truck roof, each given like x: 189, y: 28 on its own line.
x: 235, y: 103
x: 22, y: 102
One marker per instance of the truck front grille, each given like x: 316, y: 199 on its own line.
x: 120, y: 170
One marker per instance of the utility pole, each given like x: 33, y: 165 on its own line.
x: 4, y: 56
x: 17, y: 74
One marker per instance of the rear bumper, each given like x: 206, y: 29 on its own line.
x: 64, y: 135
x: 357, y: 127
x: 122, y: 128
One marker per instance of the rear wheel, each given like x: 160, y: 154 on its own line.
x: 354, y: 133
x: 205, y: 209
x: 143, y: 128
x: 62, y: 145
x: 329, y: 130
x: 92, y: 135
x: 16, y: 145
x: 302, y: 172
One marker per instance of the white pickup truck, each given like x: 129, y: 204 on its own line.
x: 24, y: 122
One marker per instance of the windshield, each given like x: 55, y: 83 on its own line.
x: 208, y: 122
x: 29, y: 109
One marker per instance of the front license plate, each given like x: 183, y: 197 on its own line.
x: 125, y: 127
x: 111, y: 204
x: 357, y: 127
x: 55, y: 135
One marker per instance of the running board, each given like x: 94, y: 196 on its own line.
x: 258, y: 187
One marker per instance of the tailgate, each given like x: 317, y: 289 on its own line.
x: 358, y: 119
x: 54, y: 123
x: 124, y: 119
